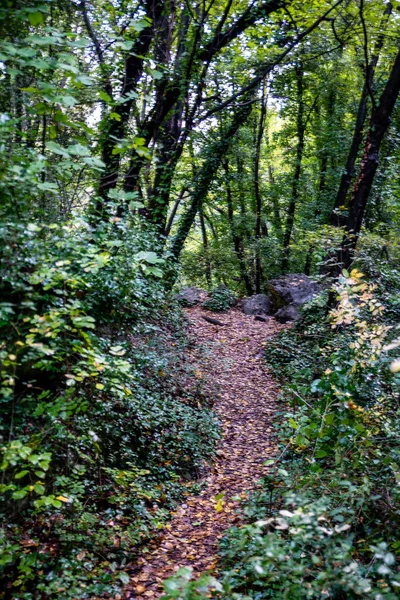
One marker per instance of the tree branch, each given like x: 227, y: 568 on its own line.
x: 268, y: 68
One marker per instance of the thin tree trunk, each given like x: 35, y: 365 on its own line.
x: 211, y: 226
x: 297, y: 172
x: 258, y: 227
x: 321, y: 188
x: 329, y: 123
x: 174, y: 211
x: 277, y: 221
x: 237, y: 240
x: 206, y: 248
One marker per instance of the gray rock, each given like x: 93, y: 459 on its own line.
x: 257, y: 305
x: 291, y: 289
x: 287, y: 313
x: 191, y: 296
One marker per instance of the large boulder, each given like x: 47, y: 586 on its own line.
x: 291, y: 289
x: 259, y: 304
x: 287, y: 313
x: 190, y: 296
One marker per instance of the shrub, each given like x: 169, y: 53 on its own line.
x: 103, y: 418
x: 220, y: 299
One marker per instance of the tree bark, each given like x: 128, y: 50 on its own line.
x: 257, y: 192
x: 379, y: 123
x: 236, y: 238
x: 205, y: 248
x: 214, y: 154
x: 348, y: 172
x: 115, y: 129
x: 297, y: 171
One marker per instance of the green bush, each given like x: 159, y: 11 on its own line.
x: 220, y: 299
x: 103, y: 420
x: 305, y: 551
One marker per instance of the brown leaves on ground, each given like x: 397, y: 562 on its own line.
x: 245, y: 405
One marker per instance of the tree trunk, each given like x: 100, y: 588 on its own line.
x: 205, y: 247
x: 321, y: 188
x: 237, y: 240
x: 296, y: 176
x: 379, y: 123
x: 348, y: 172
x: 169, y: 153
x: 329, y: 124
x: 115, y: 129
x: 215, y: 153
x: 258, y: 227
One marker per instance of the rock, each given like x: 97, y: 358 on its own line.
x: 291, y: 289
x: 256, y: 305
x: 191, y: 296
x: 287, y: 313
x: 261, y: 318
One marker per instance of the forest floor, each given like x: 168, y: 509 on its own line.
x: 245, y: 404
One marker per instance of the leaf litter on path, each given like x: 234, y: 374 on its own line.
x: 246, y: 403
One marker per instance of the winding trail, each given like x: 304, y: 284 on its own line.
x: 246, y: 404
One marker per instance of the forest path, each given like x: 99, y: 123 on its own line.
x: 245, y: 404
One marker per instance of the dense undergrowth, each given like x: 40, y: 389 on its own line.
x: 326, y: 523
x: 104, y: 419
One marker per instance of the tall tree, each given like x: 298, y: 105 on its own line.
x: 379, y: 123
x: 206, y: 173
x: 300, y: 133
x: 258, y: 226
x: 369, y: 68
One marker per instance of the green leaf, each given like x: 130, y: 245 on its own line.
x: 35, y: 18
x: 149, y: 257
x: 79, y: 43
x: 84, y: 79
x: 330, y: 418
x: 39, y: 489
x: 321, y: 454
x: 68, y: 100
x: 155, y: 74
x: 79, y: 150
x: 124, y: 577
x: 105, y: 97
x: 19, y: 494
x: 57, y: 149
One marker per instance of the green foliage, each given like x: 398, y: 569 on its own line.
x: 220, y: 299
x: 305, y: 551
x: 101, y: 420
x: 183, y: 587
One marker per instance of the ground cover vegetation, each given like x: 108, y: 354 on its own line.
x: 147, y: 144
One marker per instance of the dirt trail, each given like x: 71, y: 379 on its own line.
x: 246, y: 404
